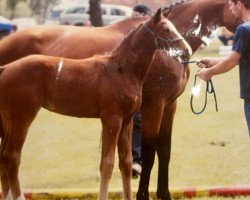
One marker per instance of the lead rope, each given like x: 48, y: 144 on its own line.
x: 210, y: 90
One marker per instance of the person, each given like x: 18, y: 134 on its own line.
x: 240, y: 54
x: 226, y: 36
x: 139, y: 9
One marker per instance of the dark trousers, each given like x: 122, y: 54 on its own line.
x: 136, y: 138
x: 247, y: 113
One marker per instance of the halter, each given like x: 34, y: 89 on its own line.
x: 157, y: 37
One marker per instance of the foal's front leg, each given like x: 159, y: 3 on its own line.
x: 125, y: 157
x: 111, y: 126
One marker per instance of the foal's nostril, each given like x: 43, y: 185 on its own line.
x: 185, y: 54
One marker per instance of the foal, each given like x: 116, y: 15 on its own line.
x: 107, y: 87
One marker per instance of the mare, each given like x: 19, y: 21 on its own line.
x: 198, y: 19
x: 108, y: 87
x: 194, y: 19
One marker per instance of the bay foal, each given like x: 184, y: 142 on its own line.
x: 107, y: 87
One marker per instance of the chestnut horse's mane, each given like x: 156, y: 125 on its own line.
x: 174, y: 3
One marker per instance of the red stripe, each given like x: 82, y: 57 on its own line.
x: 186, y: 192
x: 28, y: 195
x: 190, y: 192
x: 229, y: 191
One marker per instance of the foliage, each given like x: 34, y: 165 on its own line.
x: 11, y: 4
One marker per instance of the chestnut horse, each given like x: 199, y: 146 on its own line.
x: 108, y: 87
x: 166, y: 80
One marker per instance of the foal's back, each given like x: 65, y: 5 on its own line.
x: 59, y: 85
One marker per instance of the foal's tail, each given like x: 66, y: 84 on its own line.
x: 1, y: 128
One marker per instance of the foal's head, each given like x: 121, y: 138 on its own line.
x: 167, y: 37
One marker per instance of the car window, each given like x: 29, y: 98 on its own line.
x: 104, y: 12
x: 116, y: 11
x: 76, y: 10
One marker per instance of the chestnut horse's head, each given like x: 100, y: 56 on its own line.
x: 197, y: 19
x: 166, y: 36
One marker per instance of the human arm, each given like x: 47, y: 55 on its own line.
x: 208, y: 62
x: 222, y: 65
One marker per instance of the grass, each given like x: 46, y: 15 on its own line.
x: 207, y: 150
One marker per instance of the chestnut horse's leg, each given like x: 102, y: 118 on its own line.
x: 125, y: 157
x: 164, y: 150
x: 111, y: 126
x: 150, y: 129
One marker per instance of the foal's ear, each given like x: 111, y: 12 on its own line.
x: 166, y: 11
x: 157, y: 17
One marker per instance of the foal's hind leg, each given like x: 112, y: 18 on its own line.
x: 125, y: 157
x: 6, y: 188
x: 3, y: 170
x: 163, y: 151
x: 111, y: 126
x: 15, y: 130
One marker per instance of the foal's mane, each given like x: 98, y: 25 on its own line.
x: 127, y: 37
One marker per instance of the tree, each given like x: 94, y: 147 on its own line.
x: 95, y: 12
x: 11, y: 4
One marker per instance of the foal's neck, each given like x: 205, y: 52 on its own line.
x: 136, y: 52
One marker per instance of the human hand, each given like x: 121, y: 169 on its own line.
x: 205, y: 63
x: 204, y: 73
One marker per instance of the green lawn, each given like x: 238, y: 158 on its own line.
x: 207, y: 150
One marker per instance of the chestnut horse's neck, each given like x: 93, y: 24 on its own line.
x: 196, y: 19
x: 136, y: 51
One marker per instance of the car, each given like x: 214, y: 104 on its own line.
x: 77, y: 15
x: 5, y: 27
x: 24, y: 22
x: 53, y: 14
